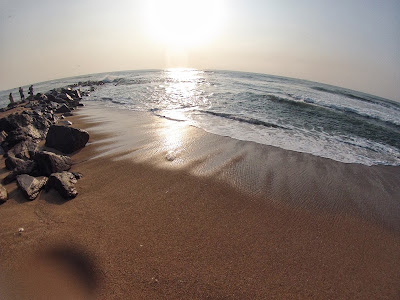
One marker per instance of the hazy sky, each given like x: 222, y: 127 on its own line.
x: 352, y: 43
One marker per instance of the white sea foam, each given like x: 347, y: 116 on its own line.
x: 297, y: 115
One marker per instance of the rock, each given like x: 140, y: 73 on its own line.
x: 3, y: 194
x: 68, y: 114
x: 77, y: 175
x: 17, y: 136
x: 23, y: 150
x: 41, y: 123
x: 64, y: 183
x: 48, y: 163
x: 3, y: 136
x: 12, y: 162
x: 24, y: 167
x: 31, y: 186
x: 75, y: 94
x: 63, y: 109
x: 78, y: 94
x: 29, y: 105
x: 14, y: 121
x: 36, y: 111
x: 41, y: 97
x: 66, y: 97
x: 12, y: 105
x: 65, y: 123
x: 21, y: 127
x: 56, y: 99
x: 66, y: 139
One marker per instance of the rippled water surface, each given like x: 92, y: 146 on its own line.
x: 293, y: 114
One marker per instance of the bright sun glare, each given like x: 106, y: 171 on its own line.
x: 184, y: 22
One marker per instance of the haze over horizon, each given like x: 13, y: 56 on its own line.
x: 352, y: 44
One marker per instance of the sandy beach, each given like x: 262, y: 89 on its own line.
x: 169, y: 211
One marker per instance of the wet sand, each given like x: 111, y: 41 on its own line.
x: 168, y: 211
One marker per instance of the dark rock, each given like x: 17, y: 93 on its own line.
x: 64, y: 123
x: 68, y: 114
x: 66, y: 139
x: 23, y: 150
x: 29, y: 105
x: 3, y: 194
x: 12, y: 105
x: 48, y: 163
x: 77, y: 175
x: 67, y: 97
x: 63, y: 109
x: 20, y: 127
x: 75, y: 94
x: 40, y: 123
x: 3, y: 136
x: 64, y: 183
x: 37, y: 112
x: 15, y: 137
x: 56, y: 99
x: 31, y: 186
x: 12, y: 162
x: 14, y: 121
x: 51, y: 97
x: 24, y: 167
x: 41, y: 96
x: 78, y: 94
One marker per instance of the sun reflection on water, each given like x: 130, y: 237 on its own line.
x: 182, y: 88
x: 181, y: 93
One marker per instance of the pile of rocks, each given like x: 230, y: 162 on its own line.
x: 21, y: 133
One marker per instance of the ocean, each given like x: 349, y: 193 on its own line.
x: 299, y: 115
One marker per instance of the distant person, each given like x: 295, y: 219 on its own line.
x: 21, y: 93
x: 31, y: 91
x: 11, y: 98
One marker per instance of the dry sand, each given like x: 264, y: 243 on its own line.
x: 218, y: 219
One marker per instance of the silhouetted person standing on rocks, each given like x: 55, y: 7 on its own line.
x: 31, y: 92
x: 11, y: 98
x: 21, y: 93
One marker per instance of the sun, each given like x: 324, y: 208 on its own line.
x: 184, y: 22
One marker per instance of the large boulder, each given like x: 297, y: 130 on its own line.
x: 64, y: 183
x: 31, y: 186
x: 48, y: 163
x: 17, y: 136
x: 3, y: 194
x: 14, y: 121
x: 24, y: 126
x: 66, y: 139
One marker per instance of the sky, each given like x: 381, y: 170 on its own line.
x: 353, y: 43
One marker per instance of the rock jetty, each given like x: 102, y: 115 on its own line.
x: 36, y: 119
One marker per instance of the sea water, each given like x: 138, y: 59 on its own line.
x: 293, y: 114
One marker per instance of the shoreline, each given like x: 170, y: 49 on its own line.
x: 296, y: 179
x: 186, y: 226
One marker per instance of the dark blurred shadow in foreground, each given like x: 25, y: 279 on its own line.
x: 59, y: 272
